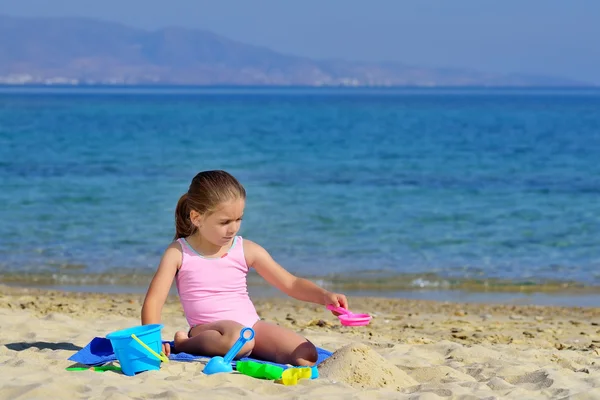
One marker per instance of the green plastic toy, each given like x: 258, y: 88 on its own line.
x: 259, y: 370
x: 101, y: 368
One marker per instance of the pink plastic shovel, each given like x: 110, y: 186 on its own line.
x: 348, y: 318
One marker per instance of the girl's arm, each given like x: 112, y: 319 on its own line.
x: 161, y: 284
x: 298, y: 288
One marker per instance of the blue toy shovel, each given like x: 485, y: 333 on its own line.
x: 223, y: 364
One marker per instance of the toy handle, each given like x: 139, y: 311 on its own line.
x: 340, y: 310
x: 161, y: 357
x: 237, y: 346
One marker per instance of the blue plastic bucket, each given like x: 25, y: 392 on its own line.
x: 131, y: 355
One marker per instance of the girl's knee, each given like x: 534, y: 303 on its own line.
x: 305, y: 355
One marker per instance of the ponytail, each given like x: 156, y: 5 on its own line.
x: 183, y: 224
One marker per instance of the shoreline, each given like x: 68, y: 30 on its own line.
x: 568, y: 297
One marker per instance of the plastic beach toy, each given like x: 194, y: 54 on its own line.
x: 138, y: 348
x: 291, y: 376
x: 259, y: 370
x: 101, y: 368
x: 223, y: 364
x: 348, y: 318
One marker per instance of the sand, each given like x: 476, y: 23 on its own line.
x: 411, y: 350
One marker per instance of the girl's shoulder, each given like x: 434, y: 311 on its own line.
x: 248, y: 244
x: 252, y: 251
x: 249, y: 248
x: 175, y: 245
x: 174, y: 252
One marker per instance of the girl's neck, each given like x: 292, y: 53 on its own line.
x: 205, y: 248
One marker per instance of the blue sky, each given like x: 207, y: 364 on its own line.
x: 548, y: 37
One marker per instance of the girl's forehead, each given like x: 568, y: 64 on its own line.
x: 231, y: 208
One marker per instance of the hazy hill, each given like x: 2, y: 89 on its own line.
x: 80, y: 50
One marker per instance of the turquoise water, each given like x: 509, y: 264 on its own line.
x: 433, y: 185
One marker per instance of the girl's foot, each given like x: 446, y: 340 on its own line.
x: 180, y: 337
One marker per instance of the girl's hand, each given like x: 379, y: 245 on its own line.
x: 166, y: 348
x: 336, y: 299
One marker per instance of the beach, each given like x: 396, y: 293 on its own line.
x: 413, y: 349
x: 444, y: 213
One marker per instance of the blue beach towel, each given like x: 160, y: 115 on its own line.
x: 99, y: 351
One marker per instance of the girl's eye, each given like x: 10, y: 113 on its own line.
x: 228, y: 222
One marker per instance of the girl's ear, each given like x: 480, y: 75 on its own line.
x: 196, y: 218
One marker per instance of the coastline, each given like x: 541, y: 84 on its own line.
x: 437, y: 349
x: 427, y: 287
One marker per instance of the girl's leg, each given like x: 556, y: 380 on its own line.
x: 214, y: 339
x: 281, y: 345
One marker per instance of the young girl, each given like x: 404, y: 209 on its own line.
x: 210, y: 263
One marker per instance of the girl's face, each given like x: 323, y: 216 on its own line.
x: 220, y: 226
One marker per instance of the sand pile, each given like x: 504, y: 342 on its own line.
x: 361, y: 367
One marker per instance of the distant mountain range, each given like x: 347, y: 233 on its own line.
x: 87, y: 51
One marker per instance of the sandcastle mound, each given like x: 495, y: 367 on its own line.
x: 361, y: 367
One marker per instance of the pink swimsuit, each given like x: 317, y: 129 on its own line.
x: 215, y: 289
